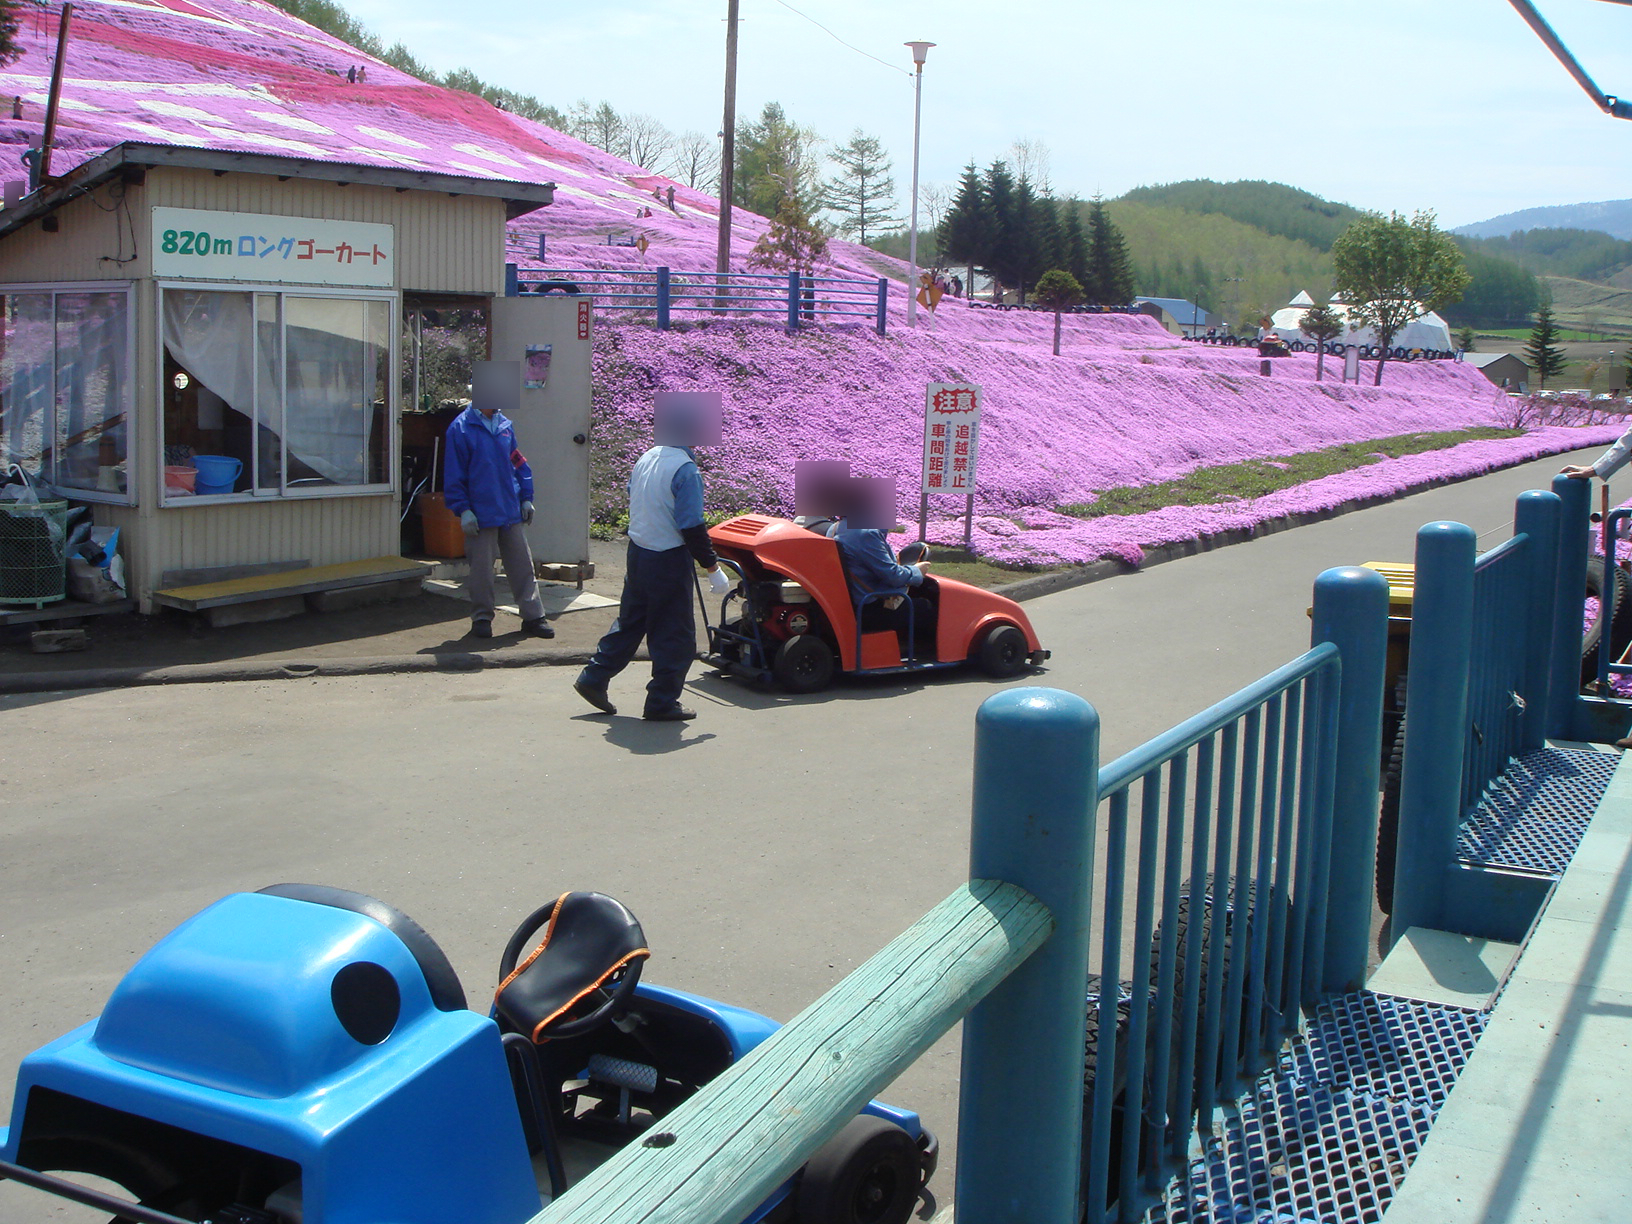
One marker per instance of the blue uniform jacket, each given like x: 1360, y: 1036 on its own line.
x: 871, y: 565
x: 483, y: 471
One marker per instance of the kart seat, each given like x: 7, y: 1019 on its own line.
x: 440, y: 979
x: 586, y: 965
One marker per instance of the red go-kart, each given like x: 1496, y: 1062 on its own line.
x: 790, y: 616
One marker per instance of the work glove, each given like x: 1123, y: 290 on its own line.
x: 719, y: 582
x: 527, y: 513
x: 467, y: 520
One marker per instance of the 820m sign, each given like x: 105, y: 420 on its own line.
x: 193, y: 242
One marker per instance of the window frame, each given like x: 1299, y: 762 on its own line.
x: 393, y: 300
x: 132, y: 425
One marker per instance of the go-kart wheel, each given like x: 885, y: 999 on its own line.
x: 1003, y: 652
x: 869, y: 1173
x: 804, y: 664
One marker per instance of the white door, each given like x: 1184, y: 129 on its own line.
x: 550, y: 336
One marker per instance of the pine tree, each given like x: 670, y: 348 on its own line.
x: 1074, y: 247
x: 966, y: 234
x: 1322, y: 324
x: 863, y: 192
x: 1110, y: 269
x: 1058, y: 289
x: 1000, y: 249
x: 793, y: 243
x: 1050, y: 234
x: 775, y: 157
x: 1544, y: 356
x: 1026, y: 237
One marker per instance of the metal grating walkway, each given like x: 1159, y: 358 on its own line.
x: 1327, y: 1136
x: 1533, y: 816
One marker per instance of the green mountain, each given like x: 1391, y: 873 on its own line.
x: 1274, y: 208
x: 1192, y: 240
x: 1579, y: 254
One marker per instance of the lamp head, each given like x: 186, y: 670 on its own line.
x: 920, y: 50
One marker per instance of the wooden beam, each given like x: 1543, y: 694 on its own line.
x: 745, y: 1133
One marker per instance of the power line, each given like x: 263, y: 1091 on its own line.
x: 840, y: 41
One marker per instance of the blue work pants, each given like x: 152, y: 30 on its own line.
x: 656, y: 605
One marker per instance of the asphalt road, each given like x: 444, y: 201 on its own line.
x: 769, y: 847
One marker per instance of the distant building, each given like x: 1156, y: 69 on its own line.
x: 1177, y: 315
x: 1507, y: 370
x: 1429, y: 331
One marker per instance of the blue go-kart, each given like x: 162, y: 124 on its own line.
x: 304, y: 1055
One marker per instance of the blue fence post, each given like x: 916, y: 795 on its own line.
x: 663, y: 298
x: 1020, y: 1103
x: 1536, y: 515
x: 793, y: 301
x: 1574, y: 519
x: 512, y: 283
x: 883, y: 302
x: 1351, y: 611
x: 1436, y: 722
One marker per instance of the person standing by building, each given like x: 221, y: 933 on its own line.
x: 666, y: 534
x: 487, y: 482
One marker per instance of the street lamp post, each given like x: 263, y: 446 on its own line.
x: 920, y: 50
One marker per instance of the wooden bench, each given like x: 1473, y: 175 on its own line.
x: 289, y: 592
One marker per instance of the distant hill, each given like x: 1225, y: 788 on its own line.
x: 1274, y: 208
x: 1580, y: 254
x: 1613, y: 217
x: 1193, y: 239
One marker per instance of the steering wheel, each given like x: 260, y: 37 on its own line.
x: 615, y: 998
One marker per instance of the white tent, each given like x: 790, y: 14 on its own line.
x: 1428, y: 331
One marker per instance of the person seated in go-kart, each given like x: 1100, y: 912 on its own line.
x: 871, y: 567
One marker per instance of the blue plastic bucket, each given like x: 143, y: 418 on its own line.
x: 216, y: 474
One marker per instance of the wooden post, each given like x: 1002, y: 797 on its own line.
x: 745, y: 1133
x: 1020, y: 1112
x: 728, y: 153
x: 55, y: 99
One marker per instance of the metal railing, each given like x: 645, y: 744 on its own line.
x: 1230, y: 847
x: 800, y: 299
x: 1609, y: 663
x: 1495, y: 639
x: 1251, y: 792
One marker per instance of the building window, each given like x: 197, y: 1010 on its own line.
x: 271, y: 394
x: 65, y: 387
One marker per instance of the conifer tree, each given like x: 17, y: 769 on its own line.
x: 966, y: 234
x: 1074, y: 247
x: 1322, y: 324
x: 863, y: 192
x: 1001, y: 247
x: 1109, y: 267
x: 1543, y: 354
x: 1026, y: 240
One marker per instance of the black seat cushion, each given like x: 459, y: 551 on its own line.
x: 589, y: 939
x: 440, y: 979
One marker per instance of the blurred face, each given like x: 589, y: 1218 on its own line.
x: 687, y: 418
x: 495, y: 385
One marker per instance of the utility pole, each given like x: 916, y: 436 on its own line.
x: 728, y: 148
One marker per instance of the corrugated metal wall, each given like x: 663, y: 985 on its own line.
x: 444, y: 244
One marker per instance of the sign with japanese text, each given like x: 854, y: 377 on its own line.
x: 951, y: 437
x: 256, y: 247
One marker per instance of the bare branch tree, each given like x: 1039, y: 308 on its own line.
x: 649, y: 144
x: 935, y: 199
x: 696, y: 159
x: 1031, y: 160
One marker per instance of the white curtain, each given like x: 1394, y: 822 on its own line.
x: 211, y: 335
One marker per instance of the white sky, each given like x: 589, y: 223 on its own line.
x: 1452, y: 105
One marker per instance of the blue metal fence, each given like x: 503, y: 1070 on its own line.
x: 1218, y: 911
x: 1609, y: 664
x: 801, y: 299
x: 1485, y: 663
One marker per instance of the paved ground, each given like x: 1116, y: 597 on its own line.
x: 769, y: 847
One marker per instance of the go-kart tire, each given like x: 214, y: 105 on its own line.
x: 1620, y: 632
x: 1388, y: 821
x: 869, y: 1173
x: 1004, y: 652
x: 804, y: 664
